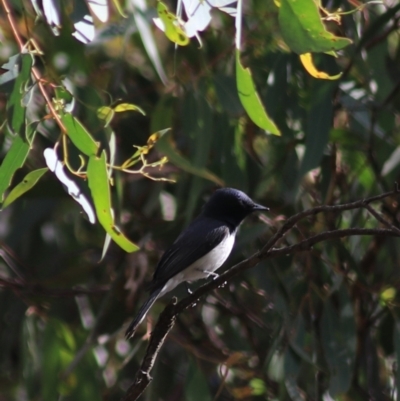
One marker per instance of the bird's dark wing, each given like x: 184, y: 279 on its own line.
x: 199, y: 238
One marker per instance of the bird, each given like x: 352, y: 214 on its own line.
x: 201, y: 248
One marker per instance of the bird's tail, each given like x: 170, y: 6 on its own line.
x: 142, y: 313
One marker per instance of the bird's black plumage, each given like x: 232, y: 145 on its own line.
x: 201, y: 248
x: 191, y: 245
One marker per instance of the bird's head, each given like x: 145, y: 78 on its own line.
x: 230, y: 205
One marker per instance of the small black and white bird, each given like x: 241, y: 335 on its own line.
x: 201, y: 248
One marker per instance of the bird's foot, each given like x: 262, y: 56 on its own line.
x: 214, y: 275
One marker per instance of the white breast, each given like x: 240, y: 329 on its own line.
x: 201, y: 268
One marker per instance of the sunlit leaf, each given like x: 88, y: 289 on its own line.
x: 79, y: 136
x: 100, y: 189
x: 57, y: 167
x: 303, y: 30
x: 172, y: 25
x: 147, y: 36
x: 119, y: 8
x: 99, y: 8
x: 308, y: 64
x: 128, y: 107
x: 387, y: 296
x: 105, y: 113
x: 25, y: 185
x: 250, y: 99
x: 52, y: 12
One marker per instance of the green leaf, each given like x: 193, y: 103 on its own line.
x: 25, y: 185
x: 250, y: 100
x: 14, y: 159
x: 15, y: 107
x: 303, y: 30
x: 100, y: 189
x: 165, y: 146
x: 79, y: 135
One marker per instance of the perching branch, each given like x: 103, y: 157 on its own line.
x: 168, y: 316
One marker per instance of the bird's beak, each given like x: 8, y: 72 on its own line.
x: 258, y: 207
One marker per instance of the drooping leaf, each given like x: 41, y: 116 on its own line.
x: 15, y: 108
x: 99, y: 8
x: 79, y: 135
x: 100, y: 189
x: 171, y: 25
x: 119, y: 8
x: 128, y: 107
x: 250, y: 100
x: 303, y: 30
x: 52, y: 13
x: 25, y: 185
x: 83, y: 22
x: 14, y: 159
x: 56, y: 166
x: 308, y: 64
x: 147, y: 36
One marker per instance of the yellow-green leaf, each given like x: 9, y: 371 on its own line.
x: 119, y: 8
x: 172, y: 25
x: 79, y: 135
x: 128, y: 106
x: 105, y: 113
x: 25, y: 185
x: 250, y: 100
x: 99, y: 185
x: 307, y: 61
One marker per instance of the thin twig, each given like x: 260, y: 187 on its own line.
x: 35, y: 71
x: 381, y: 219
